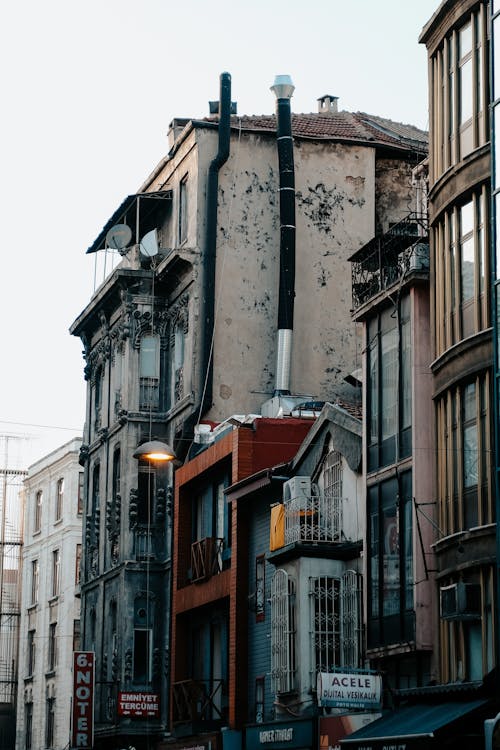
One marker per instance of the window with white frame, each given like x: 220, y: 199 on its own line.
x: 35, y: 580
x: 59, y: 498
x: 38, y: 511
x: 283, y: 667
x: 56, y: 571
x: 31, y: 652
x: 52, y: 650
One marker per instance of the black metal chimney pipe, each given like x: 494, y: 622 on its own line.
x: 208, y: 270
x: 211, y: 240
x: 283, y: 89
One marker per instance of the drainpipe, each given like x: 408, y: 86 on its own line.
x: 209, y: 257
x: 283, y: 89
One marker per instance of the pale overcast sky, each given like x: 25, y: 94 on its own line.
x: 88, y: 91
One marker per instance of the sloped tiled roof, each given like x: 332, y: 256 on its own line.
x: 356, y: 127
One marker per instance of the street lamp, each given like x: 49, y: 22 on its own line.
x: 154, y: 450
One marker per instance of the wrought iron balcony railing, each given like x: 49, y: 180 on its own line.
x: 206, y: 558
x: 198, y: 700
x: 313, y: 519
x: 389, y: 258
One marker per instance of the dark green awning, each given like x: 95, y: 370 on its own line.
x: 418, y: 722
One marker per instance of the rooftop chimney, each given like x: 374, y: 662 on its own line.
x: 328, y: 104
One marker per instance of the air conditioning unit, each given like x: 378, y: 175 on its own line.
x: 461, y: 601
x: 297, y: 488
x: 419, y: 257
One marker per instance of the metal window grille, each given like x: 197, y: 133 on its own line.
x: 332, y: 504
x: 335, y: 610
x: 313, y: 518
x: 282, y: 632
x: 324, y: 593
x: 350, y: 618
x: 149, y: 395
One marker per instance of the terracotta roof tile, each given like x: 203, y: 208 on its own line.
x: 343, y: 126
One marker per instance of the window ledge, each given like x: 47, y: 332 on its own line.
x: 58, y: 521
x: 50, y: 673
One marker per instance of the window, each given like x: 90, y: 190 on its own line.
x: 461, y: 297
x: 78, y: 563
x: 35, y: 580
x: 390, y: 561
x: 95, y: 490
x: 178, y: 357
x: 211, y: 529
x: 260, y: 584
x: 283, y: 666
x: 38, y: 511
x: 28, y: 726
x: 142, y: 655
x: 149, y: 372
x: 464, y: 466
x: 79, y: 508
x: 333, y: 481
x: 183, y: 210
x: 31, y: 652
x: 335, y: 608
x: 459, y: 82
x: 50, y: 723
x: 259, y: 699
x: 146, y: 493
x: 56, y: 571
x: 52, y: 650
x: 389, y: 385
x: 59, y: 498
x: 324, y: 594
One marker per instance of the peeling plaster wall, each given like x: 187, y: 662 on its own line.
x: 394, y: 194
x: 342, y: 194
x: 335, y: 193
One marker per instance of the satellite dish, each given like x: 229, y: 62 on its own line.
x: 149, y: 244
x: 119, y: 236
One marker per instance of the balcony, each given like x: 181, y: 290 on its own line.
x: 198, y: 701
x: 314, y: 519
x: 390, y: 258
x: 206, y: 558
x: 311, y: 525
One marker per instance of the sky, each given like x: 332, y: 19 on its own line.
x: 88, y: 92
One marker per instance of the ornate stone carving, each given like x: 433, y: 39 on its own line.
x: 133, y: 508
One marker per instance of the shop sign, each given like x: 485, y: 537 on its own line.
x: 82, y: 718
x: 350, y: 690
x: 280, y: 736
x: 139, y: 705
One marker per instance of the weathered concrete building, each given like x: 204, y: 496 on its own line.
x: 50, y: 608
x: 184, y: 328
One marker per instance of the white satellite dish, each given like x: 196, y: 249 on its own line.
x: 119, y: 237
x: 149, y: 244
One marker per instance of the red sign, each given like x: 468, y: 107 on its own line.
x: 139, y: 704
x: 82, y: 724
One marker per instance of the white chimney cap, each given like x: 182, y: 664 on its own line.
x: 283, y: 87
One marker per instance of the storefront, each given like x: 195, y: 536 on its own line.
x: 299, y: 734
x: 201, y: 742
x: 425, y: 726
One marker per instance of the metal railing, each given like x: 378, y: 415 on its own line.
x: 206, y: 558
x: 198, y: 700
x: 388, y: 258
x: 314, y: 518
